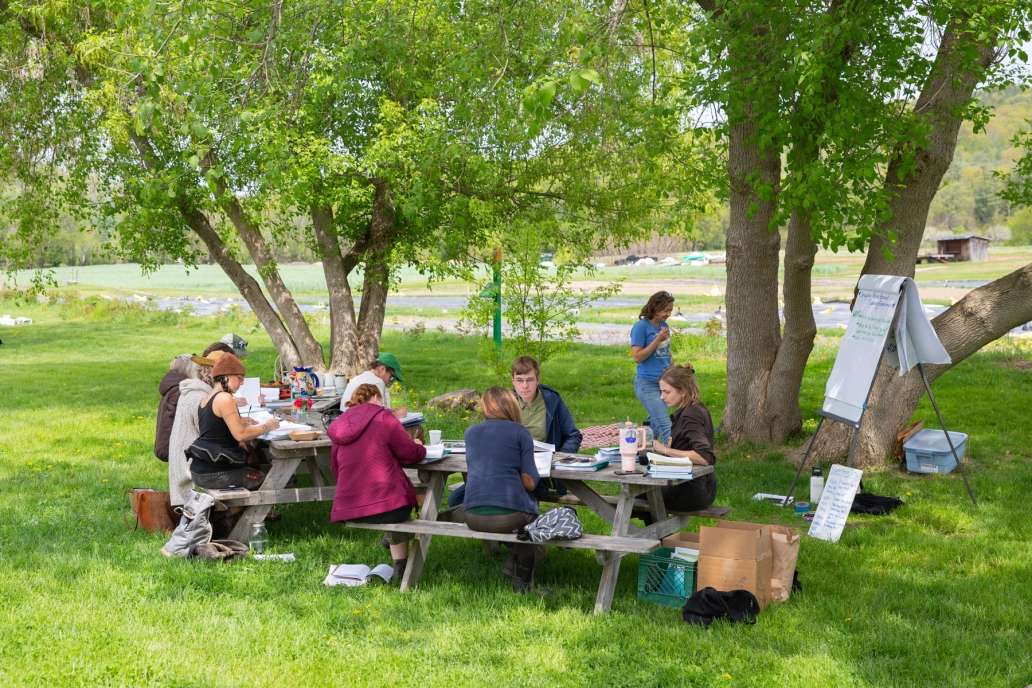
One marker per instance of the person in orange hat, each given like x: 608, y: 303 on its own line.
x: 220, y: 425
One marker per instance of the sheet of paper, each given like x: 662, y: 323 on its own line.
x: 435, y: 452
x: 861, y: 348
x: 257, y: 415
x: 836, y: 501
x: 543, y: 462
x: 250, y: 390
x: 275, y: 557
x: 543, y: 447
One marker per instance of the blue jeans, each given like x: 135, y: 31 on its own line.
x: 647, y: 392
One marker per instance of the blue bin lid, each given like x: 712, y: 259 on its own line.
x: 934, y: 441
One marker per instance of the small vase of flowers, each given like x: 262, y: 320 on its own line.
x: 302, y: 406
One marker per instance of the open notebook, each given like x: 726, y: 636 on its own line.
x: 353, y: 575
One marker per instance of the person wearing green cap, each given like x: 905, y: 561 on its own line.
x: 382, y: 372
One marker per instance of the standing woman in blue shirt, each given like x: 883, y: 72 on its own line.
x: 650, y: 348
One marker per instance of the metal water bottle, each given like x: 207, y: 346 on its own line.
x: 816, y: 486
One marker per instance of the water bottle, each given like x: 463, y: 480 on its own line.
x: 258, y: 542
x: 816, y: 486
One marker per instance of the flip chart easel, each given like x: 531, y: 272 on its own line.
x: 887, y: 323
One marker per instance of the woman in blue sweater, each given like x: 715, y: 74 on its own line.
x: 500, y: 480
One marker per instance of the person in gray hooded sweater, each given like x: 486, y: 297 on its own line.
x: 192, y: 391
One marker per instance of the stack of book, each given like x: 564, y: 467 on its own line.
x: 581, y: 463
x: 669, y: 467
x: 609, y: 453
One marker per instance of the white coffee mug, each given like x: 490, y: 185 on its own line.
x: 435, y: 437
x: 340, y: 382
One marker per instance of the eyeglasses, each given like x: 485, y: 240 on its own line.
x: 664, y: 295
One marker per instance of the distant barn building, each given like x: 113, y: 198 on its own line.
x: 961, y: 247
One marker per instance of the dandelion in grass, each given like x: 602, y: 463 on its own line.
x: 104, y: 480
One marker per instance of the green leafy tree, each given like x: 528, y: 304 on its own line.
x: 394, y: 130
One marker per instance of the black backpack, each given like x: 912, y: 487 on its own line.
x: 708, y: 604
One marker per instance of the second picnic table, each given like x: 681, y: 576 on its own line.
x: 624, y: 538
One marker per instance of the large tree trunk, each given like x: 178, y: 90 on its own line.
x: 377, y: 273
x: 753, y: 326
x: 308, y: 346
x: 217, y: 250
x: 344, y: 353
x: 981, y: 317
x: 781, y: 399
x: 950, y: 84
x: 246, y: 285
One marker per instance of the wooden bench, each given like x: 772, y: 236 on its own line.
x: 606, y: 543
x: 641, y: 506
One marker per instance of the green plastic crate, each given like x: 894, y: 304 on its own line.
x: 663, y: 580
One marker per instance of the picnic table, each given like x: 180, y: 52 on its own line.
x: 624, y: 538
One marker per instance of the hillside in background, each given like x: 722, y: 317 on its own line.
x: 968, y: 201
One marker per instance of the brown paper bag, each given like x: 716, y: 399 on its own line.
x: 151, y: 509
x: 785, y: 545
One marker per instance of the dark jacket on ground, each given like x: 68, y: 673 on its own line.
x: 369, y: 448
x: 169, y: 390
x: 497, y: 452
x: 560, y: 428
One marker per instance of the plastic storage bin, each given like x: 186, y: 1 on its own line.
x: 929, y: 452
x: 664, y: 580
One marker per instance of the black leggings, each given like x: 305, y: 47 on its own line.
x: 692, y: 495
x: 399, y: 515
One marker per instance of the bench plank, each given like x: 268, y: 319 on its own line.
x: 713, y: 511
x: 607, y: 543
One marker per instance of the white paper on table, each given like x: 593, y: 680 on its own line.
x: 836, y: 501
x: 287, y: 428
x: 434, y: 452
x: 259, y: 416
x: 250, y: 390
x: 543, y: 462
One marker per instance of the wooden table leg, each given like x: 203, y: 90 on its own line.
x: 656, y: 505
x: 315, y: 472
x: 421, y: 543
x: 611, y: 569
x: 275, y: 479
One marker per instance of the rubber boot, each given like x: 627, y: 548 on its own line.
x: 399, y: 570
x: 523, y: 574
x: 509, y: 563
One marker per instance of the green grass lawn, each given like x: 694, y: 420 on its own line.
x: 935, y: 594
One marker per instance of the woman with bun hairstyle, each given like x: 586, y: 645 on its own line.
x: 501, y: 479
x: 370, y: 446
x: 691, y: 436
x: 650, y: 349
x: 223, y: 431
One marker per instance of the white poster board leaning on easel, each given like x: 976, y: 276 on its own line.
x: 887, y: 321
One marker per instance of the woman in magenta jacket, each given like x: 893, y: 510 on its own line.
x: 369, y: 448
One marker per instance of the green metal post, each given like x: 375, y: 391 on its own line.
x: 498, y: 299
